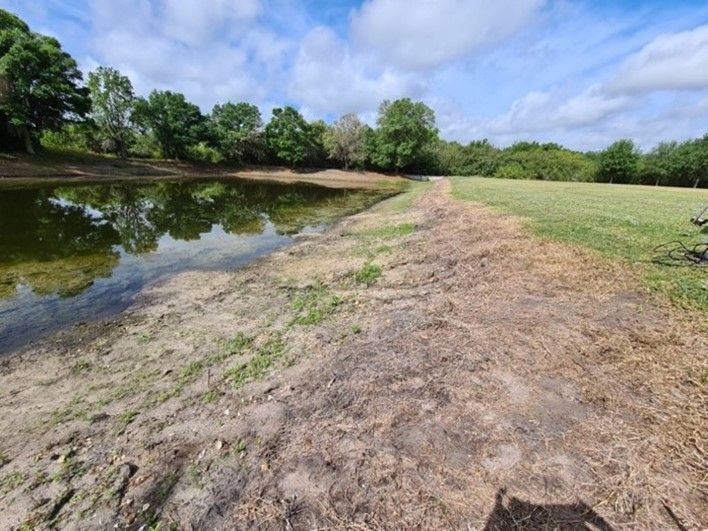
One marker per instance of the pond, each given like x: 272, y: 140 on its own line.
x: 77, y: 253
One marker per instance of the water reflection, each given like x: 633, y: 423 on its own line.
x: 71, y: 253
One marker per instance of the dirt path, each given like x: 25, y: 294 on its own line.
x: 486, y: 380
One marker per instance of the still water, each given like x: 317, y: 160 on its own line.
x: 76, y: 253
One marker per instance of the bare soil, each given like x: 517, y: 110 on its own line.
x: 27, y: 170
x: 486, y: 380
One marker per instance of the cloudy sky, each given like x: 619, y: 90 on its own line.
x: 582, y: 73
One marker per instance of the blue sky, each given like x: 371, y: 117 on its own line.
x: 582, y: 73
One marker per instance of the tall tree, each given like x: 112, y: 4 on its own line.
x: 287, y: 135
x: 316, y: 150
x: 619, y: 162
x: 346, y: 140
x: 39, y: 82
x: 112, y: 105
x: 175, y: 122
x: 696, y: 161
x: 235, y: 130
x: 405, y: 130
x: 660, y: 165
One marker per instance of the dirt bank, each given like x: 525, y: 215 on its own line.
x: 22, y: 170
x: 418, y: 366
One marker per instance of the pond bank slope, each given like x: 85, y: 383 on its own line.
x: 416, y: 366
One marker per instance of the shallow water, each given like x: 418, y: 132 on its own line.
x: 71, y: 254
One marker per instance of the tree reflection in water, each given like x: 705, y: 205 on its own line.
x: 57, y: 241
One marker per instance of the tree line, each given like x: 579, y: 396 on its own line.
x: 44, y: 102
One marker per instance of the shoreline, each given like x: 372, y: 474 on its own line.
x: 397, y: 370
x: 26, y: 171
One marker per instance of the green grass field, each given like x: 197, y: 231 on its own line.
x: 618, y: 221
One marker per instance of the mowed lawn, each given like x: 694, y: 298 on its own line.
x: 621, y: 221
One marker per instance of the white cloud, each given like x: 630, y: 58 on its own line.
x: 195, y: 22
x: 422, y: 34
x: 675, y: 61
x: 328, y: 78
x: 212, y: 52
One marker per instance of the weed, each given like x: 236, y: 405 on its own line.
x: 356, y: 329
x: 80, y: 366
x: 70, y: 469
x: 239, y: 448
x: 210, y: 396
x: 194, y: 474
x: 76, y: 409
x: 314, y: 305
x: 387, y: 232
x: 256, y: 368
x: 11, y: 482
x: 368, y: 273
x: 190, y: 372
x: 238, y: 344
x: 4, y: 459
x: 124, y: 420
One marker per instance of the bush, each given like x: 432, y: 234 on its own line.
x: 72, y: 138
x: 203, y: 153
x: 144, y: 146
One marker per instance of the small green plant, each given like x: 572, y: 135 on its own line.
x: 387, y: 232
x: 11, y: 482
x: 256, y: 368
x: 368, y: 274
x: 125, y: 418
x: 76, y: 409
x: 314, y: 305
x: 70, y: 469
x: 356, y: 329
x: 190, y: 372
x: 238, y: 344
x: 195, y: 476
x: 4, y: 459
x: 80, y: 366
x: 239, y: 448
x: 210, y: 396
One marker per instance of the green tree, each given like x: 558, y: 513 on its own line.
x: 619, y: 162
x: 405, y: 130
x: 695, y: 161
x: 345, y: 141
x: 112, y: 105
x: 39, y: 82
x: 661, y: 164
x: 287, y: 135
x: 316, y: 138
x: 175, y: 122
x: 235, y: 131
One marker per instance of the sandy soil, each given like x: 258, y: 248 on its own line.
x: 24, y: 170
x: 486, y: 380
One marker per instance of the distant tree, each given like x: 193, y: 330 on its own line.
x: 694, y: 155
x: 175, y: 122
x: 287, y: 135
x: 546, y: 163
x: 405, y: 129
x: 39, y: 82
x: 316, y: 139
x: 345, y: 141
x: 661, y: 164
x: 112, y: 106
x: 619, y: 162
x: 235, y: 131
